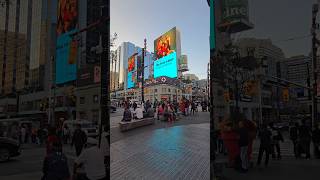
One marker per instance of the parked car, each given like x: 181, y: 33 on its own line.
x: 88, y: 127
x: 8, y: 148
x: 113, y: 108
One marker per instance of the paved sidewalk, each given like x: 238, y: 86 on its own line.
x: 180, y: 152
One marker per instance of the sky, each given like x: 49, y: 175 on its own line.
x: 134, y: 20
x: 279, y: 20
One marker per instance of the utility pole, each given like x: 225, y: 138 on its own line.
x: 142, y: 69
x: 315, y: 9
x: 212, y: 57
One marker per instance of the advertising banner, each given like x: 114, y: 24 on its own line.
x: 66, y: 50
x: 162, y: 80
x: 166, y: 66
x: 235, y: 16
x: 131, y: 80
x: 234, y: 10
x: 165, y: 44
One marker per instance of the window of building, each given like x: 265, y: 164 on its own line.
x: 169, y: 90
x: 95, y: 99
x: 82, y: 100
x: 155, y: 90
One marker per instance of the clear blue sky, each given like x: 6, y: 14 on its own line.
x: 134, y: 20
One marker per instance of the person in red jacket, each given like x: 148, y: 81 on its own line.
x: 52, y: 139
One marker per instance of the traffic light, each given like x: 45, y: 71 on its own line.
x: 285, y: 94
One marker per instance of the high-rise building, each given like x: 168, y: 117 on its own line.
x: 191, y: 77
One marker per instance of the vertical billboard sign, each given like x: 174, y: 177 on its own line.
x: 66, y: 50
x: 132, y: 74
x: 165, y: 48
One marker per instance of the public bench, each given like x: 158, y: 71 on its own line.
x: 125, y: 126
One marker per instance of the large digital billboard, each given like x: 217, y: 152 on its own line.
x: 166, y: 66
x: 131, y: 82
x: 66, y: 50
x: 166, y: 44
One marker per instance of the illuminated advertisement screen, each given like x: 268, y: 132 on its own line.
x: 166, y: 66
x: 165, y: 44
x: 131, y: 80
x: 66, y: 50
x: 131, y: 63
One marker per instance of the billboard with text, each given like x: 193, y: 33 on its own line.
x: 166, y: 66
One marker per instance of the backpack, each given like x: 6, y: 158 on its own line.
x: 56, y: 167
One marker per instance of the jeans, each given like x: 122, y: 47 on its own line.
x: 305, y: 143
x: 244, y: 157
x: 295, y: 146
x: 276, y: 146
x: 263, y: 149
x: 78, y: 149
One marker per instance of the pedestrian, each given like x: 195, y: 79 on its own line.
x: 55, y: 165
x: 193, y: 107
x: 92, y: 159
x: 243, y: 144
x: 316, y: 141
x: 105, y: 147
x: 135, y: 105
x: 66, y: 134
x: 186, y: 107
x: 305, y: 136
x: 23, y: 133
x: 276, y: 138
x: 79, y: 139
x: 52, y: 138
x: 265, y: 136
x: 294, y: 138
x: 127, y: 115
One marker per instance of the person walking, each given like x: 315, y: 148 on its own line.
x: 23, y: 133
x: 186, y: 107
x: 55, y: 165
x: 294, y: 138
x: 79, y: 139
x: 92, y: 159
x: 51, y: 140
x: 243, y: 144
x: 276, y: 138
x: 305, y: 138
x: 265, y: 136
x: 66, y: 134
x: 316, y: 141
x: 193, y: 107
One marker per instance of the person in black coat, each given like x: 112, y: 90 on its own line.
x: 294, y: 138
x: 265, y: 136
x: 316, y: 141
x: 79, y: 139
x: 305, y: 136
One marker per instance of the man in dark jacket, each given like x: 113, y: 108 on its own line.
x: 305, y: 138
x: 265, y: 144
x: 79, y: 139
x: 294, y: 138
x: 243, y: 144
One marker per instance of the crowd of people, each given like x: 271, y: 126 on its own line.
x: 163, y: 110
x: 237, y: 142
